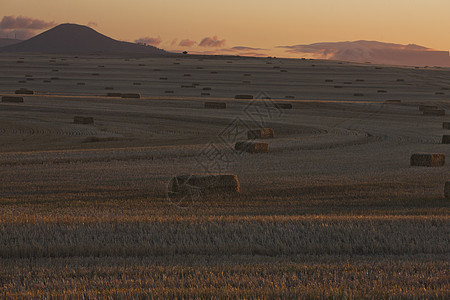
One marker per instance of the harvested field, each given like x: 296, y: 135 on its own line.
x: 333, y: 210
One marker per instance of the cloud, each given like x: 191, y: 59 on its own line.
x: 149, y: 41
x: 20, y: 22
x: 212, y: 42
x: 242, y: 48
x: 187, y: 43
x: 92, y: 24
x: 372, y: 51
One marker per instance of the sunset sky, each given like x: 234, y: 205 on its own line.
x: 261, y: 24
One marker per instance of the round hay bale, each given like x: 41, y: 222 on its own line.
x: 434, y: 112
x: 83, y: 120
x: 447, y: 190
x: 132, y: 95
x: 251, y: 147
x: 204, y: 184
x: 216, y: 105
x: 243, y: 97
x: 262, y: 133
x: 24, y: 91
x: 12, y: 99
x: 427, y: 159
x: 446, y: 125
x: 446, y: 139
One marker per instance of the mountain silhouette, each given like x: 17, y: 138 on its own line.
x: 73, y: 38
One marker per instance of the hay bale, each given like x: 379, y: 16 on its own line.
x: 348, y: 82
x: 209, y: 184
x: 400, y: 80
x: 247, y: 74
x: 47, y: 81
x: 12, y: 99
x: 328, y: 80
x: 109, y: 88
x: 141, y: 65
x: 283, y: 71
x: 136, y: 83
x: 132, y: 95
x: 163, y: 78
x: 283, y: 105
x: 28, y: 76
x: 427, y: 107
x: 446, y: 125
x: 206, y: 88
x: 447, y: 190
x: 358, y: 94
x: 360, y: 80
x: 54, y: 78
x: 22, y: 81
x: 243, y: 97
x: 434, y: 112
x: 427, y: 159
x: 263, y: 133
x: 83, y: 120
x: 187, y: 75
x: 214, y: 72
x: 95, y: 74
x: 276, y: 67
x: 81, y: 83
x: 439, y: 93
x: 289, y: 97
x: 156, y: 70
x: 187, y: 86
x: 23, y: 91
x: 114, y: 95
x: 205, y: 94
x: 338, y: 87
x: 246, y: 81
x: 381, y: 91
x: 251, y: 147
x: 168, y: 92
x: 216, y: 105
x: 392, y: 101
x: 55, y: 70
x: 446, y: 139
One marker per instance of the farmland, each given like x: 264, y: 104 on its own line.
x: 333, y: 209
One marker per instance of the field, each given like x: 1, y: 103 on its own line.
x: 334, y: 209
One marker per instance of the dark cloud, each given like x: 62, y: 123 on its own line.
x: 187, y: 43
x: 212, y: 42
x: 149, y: 41
x: 242, y: 48
x: 20, y: 22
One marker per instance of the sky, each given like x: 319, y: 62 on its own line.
x: 257, y: 26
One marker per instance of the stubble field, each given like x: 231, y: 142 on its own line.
x: 333, y: 210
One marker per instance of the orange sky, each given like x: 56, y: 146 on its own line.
x: 253, y: 23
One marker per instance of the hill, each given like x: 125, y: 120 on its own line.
x: 73, y: 38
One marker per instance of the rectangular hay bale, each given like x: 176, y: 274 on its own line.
x: 446, y: 125
x: 210, y: 184
x: 251, y: 147
x: 132, y: 95
x: 263, y: 133
x: 427, y: 159
x: 23, y: 91
x: 83, y: 120
x: 427, y: 107
x: 243, y: 97
x: 283, y: 105
x: 12, y: 99
x: 216, y: 105
x: 434, y: 112
x: 446, y: 139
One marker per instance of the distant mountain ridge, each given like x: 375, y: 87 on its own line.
x: 73, y: 38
